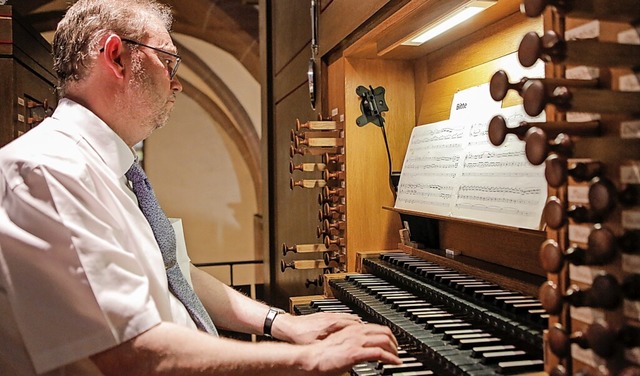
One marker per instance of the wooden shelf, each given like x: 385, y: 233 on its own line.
x: 467, y: 221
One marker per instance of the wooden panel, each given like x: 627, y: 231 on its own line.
x: 291, y: 31
x: 291, y: 77
x: 368, y: 190
x: 294, y: 213
x: 490, y: 43
x: 340, y: 18
x: 302, y: 300
x: 512, y: 249
x: 433, y: 99
x: 8, y: 100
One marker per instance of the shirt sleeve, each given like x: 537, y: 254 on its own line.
x: 73, y: 288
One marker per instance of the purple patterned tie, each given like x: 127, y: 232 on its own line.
x: 166, y: 238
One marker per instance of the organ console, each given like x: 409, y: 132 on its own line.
x: 465, y: 296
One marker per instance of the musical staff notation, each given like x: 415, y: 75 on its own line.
x: 451, y: 169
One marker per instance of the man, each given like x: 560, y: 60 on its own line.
x: 83, y: 288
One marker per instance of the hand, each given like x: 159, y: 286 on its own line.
x: 310, y: 328
x: 351, y: 345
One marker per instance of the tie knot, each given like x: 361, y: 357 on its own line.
x: 135, y: 173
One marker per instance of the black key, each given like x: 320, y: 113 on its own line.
x: 472, y: 288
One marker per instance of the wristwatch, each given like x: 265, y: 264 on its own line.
x: 268, y: 321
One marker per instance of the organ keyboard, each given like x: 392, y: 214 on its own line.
x: 447, y: 322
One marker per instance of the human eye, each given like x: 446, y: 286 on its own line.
x: 170, y: 63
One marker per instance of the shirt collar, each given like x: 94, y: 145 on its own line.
x: 115, y: 153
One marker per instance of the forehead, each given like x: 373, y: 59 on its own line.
x: 159, y: 37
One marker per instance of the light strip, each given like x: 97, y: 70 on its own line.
x: 449, y: 21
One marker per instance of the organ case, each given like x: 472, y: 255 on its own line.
x: 420, y: 83
x: 28, y: 88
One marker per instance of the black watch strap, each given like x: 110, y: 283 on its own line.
x: 268, y: 321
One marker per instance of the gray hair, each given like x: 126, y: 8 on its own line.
x: 77, y: 36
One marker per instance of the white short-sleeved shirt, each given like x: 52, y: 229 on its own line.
x: 80, y: 270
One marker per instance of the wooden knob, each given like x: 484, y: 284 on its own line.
x: 601, y: 248
x: 286, y: 249
x: 535, y: 97
x: 328, y: 241
x: 601, y: 339
x: 337, y: 175
x: 605, y: 292
x: 551, y: 257
x: 500, y: 85
x: 554, y: 213
x: 601, y: 245
x: 581, y: 214
x: 316, y: 282
x: 332, y: 209
x: 329, y: 158
x: 602, y: 195
x: 555, y: 170
x: 331, y: 258
x: 538, y: 146
x: 331, y: 199
x: 284, y: 265
x: 295, y: 150
x: 336, y: 225
x: 585, y: 171
x: 498, y: 130
x: 550, y: 298
x: 559, y: 341
x: 550, y: 48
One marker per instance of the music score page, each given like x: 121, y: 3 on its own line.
x: 451, y: 168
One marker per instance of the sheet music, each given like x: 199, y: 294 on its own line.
x: 451, y: 169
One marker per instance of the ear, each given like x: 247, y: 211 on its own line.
x: 112, y: 55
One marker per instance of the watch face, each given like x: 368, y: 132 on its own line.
x: 311, y: 77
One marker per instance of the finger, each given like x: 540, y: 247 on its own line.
x: 372, y: 354
x: 374, y: 329
x: 382, y: 341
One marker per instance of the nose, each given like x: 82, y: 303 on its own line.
x: 175, y: 84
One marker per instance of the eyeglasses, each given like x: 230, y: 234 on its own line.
x: 172, y: 64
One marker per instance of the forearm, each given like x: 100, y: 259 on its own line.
x: 232, y: 310
x: 168, y: 349
x: 228, y: 308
